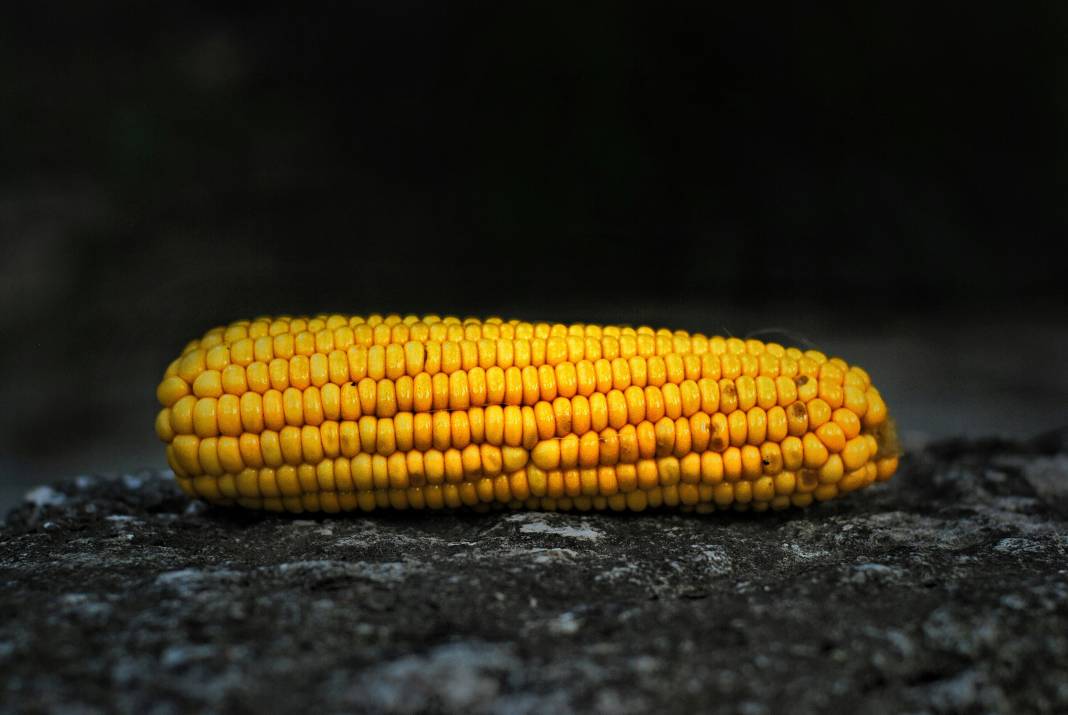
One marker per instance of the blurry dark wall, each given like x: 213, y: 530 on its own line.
x: 854, y: 173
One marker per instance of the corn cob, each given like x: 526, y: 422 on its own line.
x: 336, y: 413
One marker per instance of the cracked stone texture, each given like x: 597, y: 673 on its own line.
x: 945, y: 590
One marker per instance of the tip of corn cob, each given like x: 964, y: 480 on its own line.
x: 887, y: 439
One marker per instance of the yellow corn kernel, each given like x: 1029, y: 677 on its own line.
x: 815, y: 454
x: 855, y: 453
x: 886, y: 467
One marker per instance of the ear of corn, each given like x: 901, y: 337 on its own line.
x: 336, y: 413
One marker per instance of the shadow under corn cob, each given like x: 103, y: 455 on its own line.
x: 336, y: 413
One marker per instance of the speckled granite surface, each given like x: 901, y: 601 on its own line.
x: 945, y: 590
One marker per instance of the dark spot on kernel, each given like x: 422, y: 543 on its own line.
x: 729, y: 390
x: 798, y: 410
x: 716, y: 443
x: 808, y: 478
x: 803, y: 380
x: 767, y: 462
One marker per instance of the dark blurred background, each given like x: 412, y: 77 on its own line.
x: 886, y: 182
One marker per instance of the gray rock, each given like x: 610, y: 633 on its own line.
x: 945, y: 590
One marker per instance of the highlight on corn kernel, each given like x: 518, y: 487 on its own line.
x: 340, y: 413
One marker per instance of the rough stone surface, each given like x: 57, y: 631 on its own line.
x: 945, y: 590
